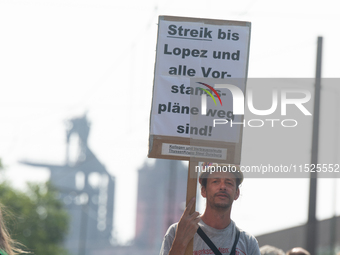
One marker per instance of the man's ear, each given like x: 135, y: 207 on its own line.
x: 203, y: 192
x: 237, y: 193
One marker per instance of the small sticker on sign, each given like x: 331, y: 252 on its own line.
x: 193, y: 151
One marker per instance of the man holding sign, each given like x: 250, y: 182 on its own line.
x: 220, y: 186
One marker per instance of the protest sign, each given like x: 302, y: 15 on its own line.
x: 200, y: 71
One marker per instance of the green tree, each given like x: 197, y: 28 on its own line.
x: 37, y: 218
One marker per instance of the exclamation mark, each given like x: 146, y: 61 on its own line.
x: 210, y: 130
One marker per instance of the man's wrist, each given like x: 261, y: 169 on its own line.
x: 178, y: 247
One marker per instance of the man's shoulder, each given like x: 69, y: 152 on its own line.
x: 171, y: 230
x: 173, y: 226
x: 246, y: 235
x: 249, y: 241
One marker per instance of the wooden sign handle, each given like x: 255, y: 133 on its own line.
x: 191, y: 192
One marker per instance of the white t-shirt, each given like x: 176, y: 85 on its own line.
x: 222, y: 238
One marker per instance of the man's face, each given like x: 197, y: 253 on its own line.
x: 220, y: 190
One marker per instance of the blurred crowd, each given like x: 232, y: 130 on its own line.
x: 271, y: 250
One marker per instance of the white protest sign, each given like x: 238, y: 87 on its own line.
x: 193, y: 57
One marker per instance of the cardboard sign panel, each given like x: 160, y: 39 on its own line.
x: 200, y: 80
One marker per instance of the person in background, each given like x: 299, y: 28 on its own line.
x: 271, y: 250
x: 297, y: 251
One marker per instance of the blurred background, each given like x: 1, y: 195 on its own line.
x: 76, y: 83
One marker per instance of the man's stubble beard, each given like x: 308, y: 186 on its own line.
x: 220, y: 206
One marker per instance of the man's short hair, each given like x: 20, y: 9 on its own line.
x: 207, y: 170
x: 271, y: 250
